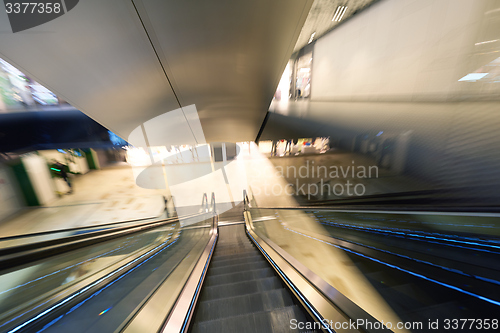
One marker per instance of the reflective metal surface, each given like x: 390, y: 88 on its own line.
x: 125, y: 62
x: 400, y: 267
x: 118, y: 275
x: 321, y: 300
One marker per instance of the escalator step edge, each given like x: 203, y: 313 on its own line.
x: 278, y: 320
x: 239, y: 305
x: 240, y: 288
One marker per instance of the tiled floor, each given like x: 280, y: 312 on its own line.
x: 111, y: 194
x: 100, y: 196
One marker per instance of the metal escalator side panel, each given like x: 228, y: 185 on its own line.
x: 323, y: 302
x: 48, y: 309
x: 180, y: 316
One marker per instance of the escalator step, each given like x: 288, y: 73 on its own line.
x: 266, y: 321
x: 240, y: 288
x: 255, y: 258
x: 231, y: 251
x: 398, y: 299
x: 442, y: 311
x: 239, y: 277
x: 248, y: 247
x: 235, y: 306
x: 239, y: 267
x: 217, y: 258
x: 380, y: 277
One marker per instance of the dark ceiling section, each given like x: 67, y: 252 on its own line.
x: 27, y: 131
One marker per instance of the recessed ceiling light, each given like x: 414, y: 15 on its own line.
x: 488, y: 41
x: 473, y: 77
x: 311, y: 38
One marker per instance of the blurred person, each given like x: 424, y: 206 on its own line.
x: 60, y: 171
x: 273, y: 148
x: 288, y: 146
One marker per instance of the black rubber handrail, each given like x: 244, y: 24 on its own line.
x: 474, y: 199
x: 20, y: 255
x: 72, y: 238
x: 398, y: 208
x: 43, y: 250
x: 103, y: 225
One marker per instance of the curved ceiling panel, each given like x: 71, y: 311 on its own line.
x: 126, y: 62
x: 97, y: 57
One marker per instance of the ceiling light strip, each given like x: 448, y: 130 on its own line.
x: 312, y: 37
x: 336, y: 13
x: 342, y: 15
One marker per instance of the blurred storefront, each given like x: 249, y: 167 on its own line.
x: 18, y: 92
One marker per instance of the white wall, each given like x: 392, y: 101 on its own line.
x: 40, y: 178
x: 395, y: 67
x: 403, y: 48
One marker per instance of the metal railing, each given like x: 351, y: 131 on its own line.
x: 31, y: 251
x: 182, y: 313
x: 102, y: 278
x: 320, y: 299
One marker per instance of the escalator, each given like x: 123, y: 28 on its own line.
x: 110, y: 280
x: 257, y: 270
x: 431, y: 270
x: 241, y: 292
x: 103, y: 278
x: 201, y: 273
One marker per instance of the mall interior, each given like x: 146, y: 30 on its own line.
x: 251, y: 166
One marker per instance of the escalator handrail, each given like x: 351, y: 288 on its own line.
x: 109, y: 227
x: 181, y: 314
x: 48, y: 232
x: 458, y: 199
x: 204, y: 202
x: 70, y: 238
x: 89, y: 285
x: 94, y: 226
x: 213, y: 204
x: 30, y: 253
x: 465, y: 211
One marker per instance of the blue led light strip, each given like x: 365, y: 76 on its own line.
x: 47, y: 301
x: 61, y: 270
x: 421, y: 261
x: 411, y: 234
x: 402, y: 269
x: 67, y: 299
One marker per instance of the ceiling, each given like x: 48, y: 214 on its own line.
x: 319, y: 20
x: 124, y: 63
